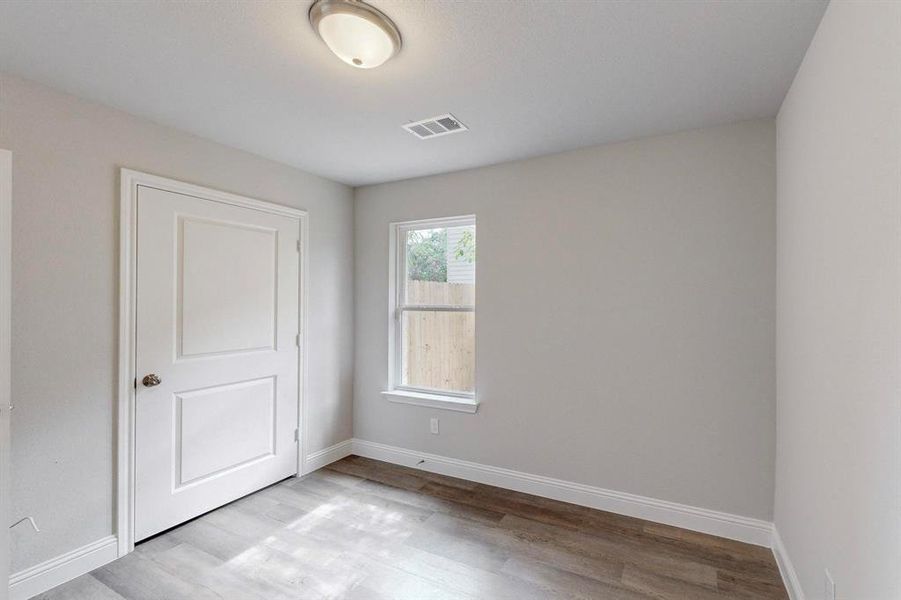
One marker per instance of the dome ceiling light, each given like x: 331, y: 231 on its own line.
x: 359, y: 34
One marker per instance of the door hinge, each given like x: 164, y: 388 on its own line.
x: 298, y: 245
x: 135, y: 383
x: 297, y: 340
x: 296, y: 435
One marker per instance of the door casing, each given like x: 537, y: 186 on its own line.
x: 125, y: 415
x: 5, y: 371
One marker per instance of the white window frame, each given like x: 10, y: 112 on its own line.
x: 397, y: 268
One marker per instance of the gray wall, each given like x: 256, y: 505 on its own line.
x: 625, y: 316
x: 66, y: 156
x: 839, y: 306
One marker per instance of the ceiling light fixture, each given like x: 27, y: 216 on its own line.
x: 359, y: 34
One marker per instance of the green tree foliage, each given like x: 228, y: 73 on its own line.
x: 427, y: 255
x: 466, y: 246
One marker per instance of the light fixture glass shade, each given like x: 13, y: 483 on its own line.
x: 357, y: 33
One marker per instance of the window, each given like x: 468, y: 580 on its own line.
x: 433, y: 313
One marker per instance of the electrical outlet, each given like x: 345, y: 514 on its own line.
x: 434, y: 425
x: 829, y: 593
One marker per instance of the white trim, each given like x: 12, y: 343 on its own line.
x: 65, y: 567
x: 129, y: 181
x: 204, y: 193
x: 734, y: 527
x: 396, y: 305
x: 302, y: 447
x: 452, y: 221
x: 5, y: 370
x: 786, y: 568
x: 326, y: 456
x: 439, y: 401
x: 126, y: 372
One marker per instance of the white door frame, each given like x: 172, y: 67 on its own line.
x: 6, y: 158
x: 125, y: 450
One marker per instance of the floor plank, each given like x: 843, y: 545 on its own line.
x: 361, y: 529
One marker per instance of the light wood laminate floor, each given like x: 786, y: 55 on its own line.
x: 366, y: 530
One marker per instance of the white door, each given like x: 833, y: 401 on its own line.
x: 216, y: 355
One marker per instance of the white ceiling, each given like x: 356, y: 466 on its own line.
x: 528, y: 77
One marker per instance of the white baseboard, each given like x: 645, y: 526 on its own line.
x: 326, y: 456
x: 735, y: 527
x: 47, y: 575
x: 54, y: 572
x: 786, y: 568
x: 63, y: 568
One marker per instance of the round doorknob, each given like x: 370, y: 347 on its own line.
x: 151, y: 380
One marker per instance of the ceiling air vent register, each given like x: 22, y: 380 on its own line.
x: 435, y: 127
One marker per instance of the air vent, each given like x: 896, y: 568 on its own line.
x: 435, y: 127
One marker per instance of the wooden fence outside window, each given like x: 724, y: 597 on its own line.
x: 439, y: 347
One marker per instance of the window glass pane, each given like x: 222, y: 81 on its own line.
x: 438, y: 350
x: 441, y: 266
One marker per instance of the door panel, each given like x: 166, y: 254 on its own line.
x: 227, y: 293
x: 217, y: 319
x: 223, y: 427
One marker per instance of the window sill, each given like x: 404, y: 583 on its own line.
x: 467, y: 405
